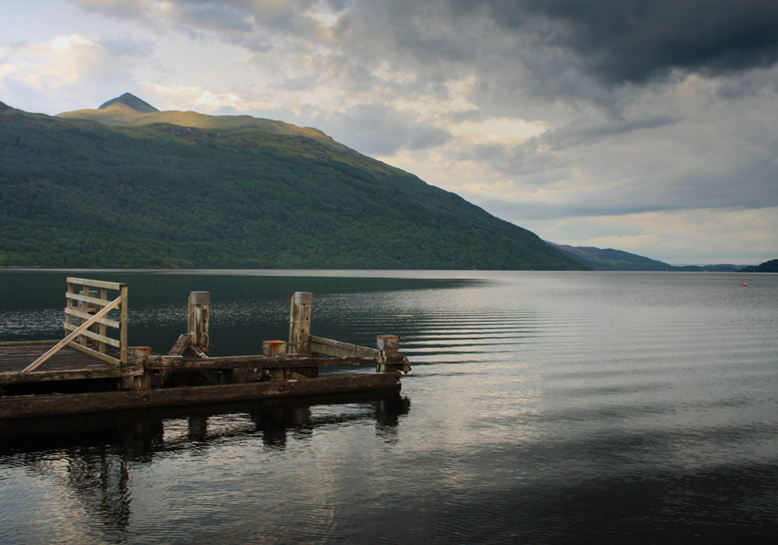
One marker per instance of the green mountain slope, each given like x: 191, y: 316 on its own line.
x: 238, y: 193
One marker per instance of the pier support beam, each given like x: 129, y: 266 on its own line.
x: 197, y: 319
x: 276, y: 349
x: 388, y: 345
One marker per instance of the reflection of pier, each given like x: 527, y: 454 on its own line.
x: 90, y: 371
x: 93, y: 451
x: 139, y: 434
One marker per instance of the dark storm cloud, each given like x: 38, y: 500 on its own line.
x: 632, y: 41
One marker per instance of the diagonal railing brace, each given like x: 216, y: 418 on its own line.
x: 91, y: 321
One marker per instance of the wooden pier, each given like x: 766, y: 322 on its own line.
x: 91, y: 371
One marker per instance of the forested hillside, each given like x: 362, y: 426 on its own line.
x: 80, y: 193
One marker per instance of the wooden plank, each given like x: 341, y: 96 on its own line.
x: 330, y: 347
x: 85, y: 315
x: 95, y: 336
x: 27, y: 406
x: 102, y: 329
x: 94, y: 353
x: 95, y: 283
x: 70, y: 304
x: 27, y: 343
x: 71, y: 374
x: 241, y: 362
x: 72, y: 336
x: 87, y: 299
x: 180, y: 346
x: 15, y: 359
x: 123, y: 317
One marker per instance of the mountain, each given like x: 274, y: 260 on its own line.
x: 612, y: 260
x: 128, y: 110
x: 766, y: 267
x: 616, y: 260
x: 129, y: 101
x: 126, y: 187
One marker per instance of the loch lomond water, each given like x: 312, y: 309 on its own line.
x: 542, y: 408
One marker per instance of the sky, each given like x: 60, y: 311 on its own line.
x: 645, y: 126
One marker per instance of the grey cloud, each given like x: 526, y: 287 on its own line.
x: 120, y: 9
x: 632, y: 41
x: 216, y: 16
x: 467, y: 115
x: 127, y: 47
x: 380, y: 130
x: 255, y: 43
x: 751, y: 185
x: 582, y: 133
x: 754, y: 84
x: 540, y: 153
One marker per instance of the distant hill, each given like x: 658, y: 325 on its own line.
x: 766, y: 267
x: 618, y: 260
x: 123, y: 186
x: 612, y: 260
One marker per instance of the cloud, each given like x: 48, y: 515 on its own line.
x: 217, y: 17
x: 68, y: 66
x: 127, y: 47
x: 381, y: 130
x: 632, y: 41
x: 116, y: 8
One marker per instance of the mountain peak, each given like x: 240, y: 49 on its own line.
x: 130, y: 101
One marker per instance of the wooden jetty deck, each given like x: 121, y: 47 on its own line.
x: 90, y: 371
x: 67, y: 364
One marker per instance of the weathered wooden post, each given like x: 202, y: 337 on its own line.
x: 300, y: 332
x: 275, y: 349
x: 300, y: 323
x: 388, y: 345
x: 197, y: 319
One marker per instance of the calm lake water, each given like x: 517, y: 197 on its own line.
x: 542, y: 408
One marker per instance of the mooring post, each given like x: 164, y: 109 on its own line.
x: 300, y: 332
x: 275, y: 349
x: 197, y: 319
x: 388, y: 345
x: 300, y: 323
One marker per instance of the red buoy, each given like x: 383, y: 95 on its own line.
x: 745, y: 284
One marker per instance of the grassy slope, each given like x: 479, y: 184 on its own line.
x: 77, y: 193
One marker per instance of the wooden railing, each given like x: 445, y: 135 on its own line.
x: 82, y: 304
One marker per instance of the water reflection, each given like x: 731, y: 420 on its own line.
x: 90, y: 458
